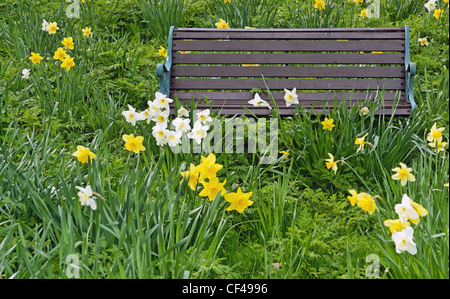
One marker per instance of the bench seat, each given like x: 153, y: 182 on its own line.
x: 221, y: 68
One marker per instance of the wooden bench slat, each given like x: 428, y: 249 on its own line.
x: 293, y: 58
x: 244, y: 97
x: 273, y: 84
x: 288, y: 71
x: 290, y: 45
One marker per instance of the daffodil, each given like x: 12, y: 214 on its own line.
x: 67, y: 62
x: 404, y: 241
x: 403, y: 173
x: 222, y: 24
x: 439, y: 145
x: 435, y: 134
x: 239, y: 200
x: 430, y: 5
x: 198, y: 132
x: 181, y: 125
x: 68, y: 43
x: 258, y: 102
x: 290, y: 97
x: 423, y: 41
x: 204, y: 117
x: 328, y: 124
x: 160, y: 132
x: 319, y: 4
x: 410, y: 210
x: 358, y: 1
x: 183, y: 112
x: 285, y: 154
x: 60, y: 54
x: 84, y: 154
x: 45, y: 25
x: 85, y: 197
x: 364, y: 13
x: 361, y: 142
x: 132, y: 116
x: 437, y: 13
x: 162, y: 101
x: 212, y: 188
x: 162, y: 116
x: 173, y: 138
x: 192, y: 175
x: 364, y: 111
x: 366, y: 202
x: 331, y: 163
x: 353, y: 197
x: 87, y: 31
x: 133, y: 144
x: 226, y: 1
x: 35, y: 58
x: 52, y: 28
x: 208, y: 168
x: 162, y: 51
x: 25, y: 73
x: 396, y: 225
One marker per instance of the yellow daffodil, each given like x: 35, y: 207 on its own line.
x: 208, y: 168
x: 441, y: 145
x: 60, y: 54
x: 357, y: 1
x: 67, y: 62
x: 361, y: 142
x: 285, y: 154
x: 328, y: 124
x: 133, y: 144
x: 222, y: 24
x: 83, y: 154
x: 447, y: 185
x: 35, y: 58
x: 162, y: 51
x: 192, y: 175
x: 212, y: 188
x: 331, y: 163
x: 52, y: 28
x: 403, y: 173
x: 87, y: 31
x: 353, y: 198
x: 319, y: 4
x: 396, y: 225
x: 364, y: 110
x: 364, y: 13
x: 239, y: 200
x: 366, y: 202
x: 68, y: 43
x: 226, y: 1
x: 435, y: 134
x: 437, y: 13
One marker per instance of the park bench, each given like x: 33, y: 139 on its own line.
x: 225, y: 66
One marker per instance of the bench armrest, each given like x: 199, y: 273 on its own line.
x: 163, y: 69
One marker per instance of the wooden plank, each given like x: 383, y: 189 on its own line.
x: 400, y: 111
x: 288, y: 45
x: 281, y: 58
x: 288, y: 71
x: 273, y: 84
x: 239, y: 97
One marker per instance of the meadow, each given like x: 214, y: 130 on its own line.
x: 88, y: 189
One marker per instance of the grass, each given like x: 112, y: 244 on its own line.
x: 148, y: 222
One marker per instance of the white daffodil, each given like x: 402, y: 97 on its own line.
x: 430, y: 5
x: 423, y: 41
x: 152, y: 108
x: 198, y: 132
x: 25, y: 74
x: 132, y: 116
x: 162, y: 116
x: 162, y: 101
x: 404, y: 240
x: 258, y: 102
x: 182, y: 125
x: 203, y: 116
x: 160, y: 132
x: 183, y: 112
x: 145, y: 115
x: 85, y: 197
x: 173, y: 138
x: 291, y: 97
x: 406, y: 210
x: 44, y: 25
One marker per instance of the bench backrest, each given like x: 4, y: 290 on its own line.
x: 224, y: 65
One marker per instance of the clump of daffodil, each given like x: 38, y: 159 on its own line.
x: 239, y: 200
x: 222, y: 24
x: 328, y: 124
x: 84, y: 154
x: 403, y: 173
x: 133, y: 144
